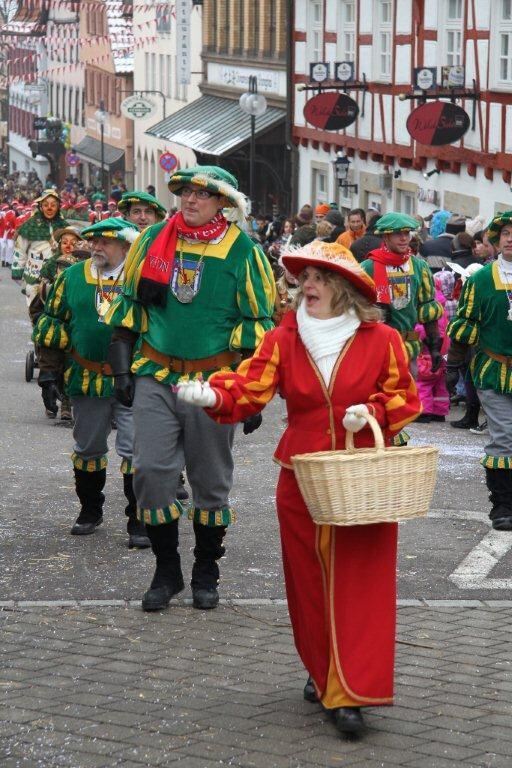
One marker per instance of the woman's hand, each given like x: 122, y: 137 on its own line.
x: 355, y: 417
x: 196, y: 393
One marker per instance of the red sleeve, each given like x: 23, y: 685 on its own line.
x: 396, y: 401
x: 247, y: 390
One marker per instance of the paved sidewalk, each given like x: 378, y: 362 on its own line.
x: 92, y: 686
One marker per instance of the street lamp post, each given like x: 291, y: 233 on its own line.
x: 341, y: 168
x: 101, y: 118
x: 254, y: 105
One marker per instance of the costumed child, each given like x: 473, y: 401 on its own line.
x: 66, y: 240
x: 431, y: 385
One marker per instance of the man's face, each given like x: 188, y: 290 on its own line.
x: 142, y: 215
x: 50, y: 207
x: 108, y: 252
x: 355, y: 222
x: 199, y: 206
x: 398, y: 242
x: 505, y: 244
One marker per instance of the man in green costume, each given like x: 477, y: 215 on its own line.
x: 198, y: 293
x: 141, y: 209
x: 73, y: 322
x: 484, y: 320
x: 405, y: 288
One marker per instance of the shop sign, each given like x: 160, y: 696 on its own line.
x: 437, y: 123
x: 40, y: 123
x: 168, y: 162
x: 425, y: 78
x: 453, y: 76
x: 138, y: 108
x: 183, y: 31
x: 331, y: 111
x: 319, y: 71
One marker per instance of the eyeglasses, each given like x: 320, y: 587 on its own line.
x: 201, y: 194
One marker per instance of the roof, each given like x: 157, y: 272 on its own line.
x: 213, y: 125
x: 90, y: 149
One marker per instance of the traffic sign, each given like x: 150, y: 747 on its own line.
x: 168, y: 162
x: 72, y: 159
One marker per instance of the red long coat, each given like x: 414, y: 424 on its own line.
x: 340, y: 581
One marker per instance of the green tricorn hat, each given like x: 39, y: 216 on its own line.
x: 117, y: 228
x: 215, y: 180
x: 497, y: 224
x: 141, y: 197
x: 395, y: 222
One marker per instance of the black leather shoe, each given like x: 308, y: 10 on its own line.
x: 84, y: 529
x: 349, y: 720
x: 158, y: 598
x: 309, y: 692
x: 205, y: 598
x: 502, y: 524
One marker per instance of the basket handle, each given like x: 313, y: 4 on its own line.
x: 377, y: 434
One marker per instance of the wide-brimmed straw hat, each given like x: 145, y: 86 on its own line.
x: 332, y: 256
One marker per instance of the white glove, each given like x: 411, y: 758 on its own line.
x: 355, y: 417
x: 196, y: 393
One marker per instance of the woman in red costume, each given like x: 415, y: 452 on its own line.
x: 333, y: 362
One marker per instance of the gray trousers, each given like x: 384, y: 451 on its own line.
x: 93, y: 418
x: 170, y: 434
x: 498, y: 410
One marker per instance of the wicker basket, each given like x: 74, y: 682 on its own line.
x: 367, y: 485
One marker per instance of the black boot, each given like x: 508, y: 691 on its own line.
x: 470, y: 418
x: 182, y: 493
x: 137, y: 534
x: 499, y: 483
x: 168, y: 578
x: 205, y: 571
x: 89, y: 487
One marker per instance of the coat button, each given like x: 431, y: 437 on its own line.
x: 328, y: 432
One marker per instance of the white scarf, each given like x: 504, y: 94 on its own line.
x: 324, y: 339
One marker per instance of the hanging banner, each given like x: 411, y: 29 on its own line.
x: 437, y: 123
x: 331, y: 111
x: 183, y: 40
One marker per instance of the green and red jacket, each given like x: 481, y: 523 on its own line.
x: 232, y: 308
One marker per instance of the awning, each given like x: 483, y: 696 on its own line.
x: 90, y: 149
x: 213, y: 126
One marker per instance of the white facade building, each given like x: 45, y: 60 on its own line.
x: 386, y: 40
x: 156, y: 68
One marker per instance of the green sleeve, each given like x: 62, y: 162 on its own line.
x: 125, y: 311
x: 428, y: 307
x: 464, y: 327
x: 256, y: 292
x: 52, y: 328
